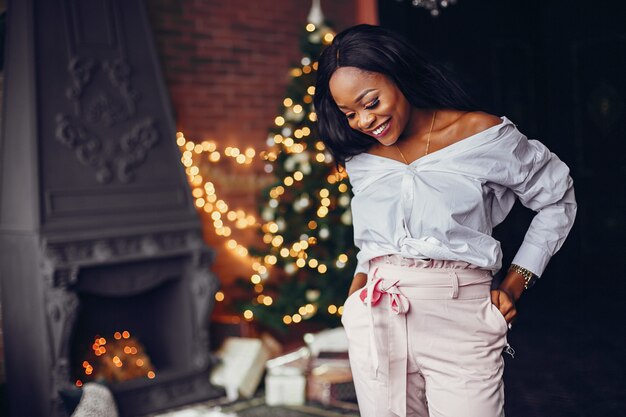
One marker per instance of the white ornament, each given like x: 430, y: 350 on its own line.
x: 312, y: 295
x: 267, y: 214
x: 344, y: 200
x: 315, y: 14
x: 346, y: 217
x: 324, y: 233
x: 281, y: 224
x: 290, y: 268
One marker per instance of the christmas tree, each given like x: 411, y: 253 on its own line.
x: 306, y: 264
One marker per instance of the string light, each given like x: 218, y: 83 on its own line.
x: 290, y: 141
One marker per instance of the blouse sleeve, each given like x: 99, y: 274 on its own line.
x: 542, y: 183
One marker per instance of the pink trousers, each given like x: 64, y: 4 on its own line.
x: 425, y: 340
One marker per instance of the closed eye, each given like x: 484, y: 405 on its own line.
x: 373, y: 104
x: 350, y: 116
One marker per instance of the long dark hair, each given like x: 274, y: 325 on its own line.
x: 375, y: 49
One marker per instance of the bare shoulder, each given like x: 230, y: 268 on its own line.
x: 474, y: 122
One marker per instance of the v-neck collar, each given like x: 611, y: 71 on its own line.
x: 456, y: 146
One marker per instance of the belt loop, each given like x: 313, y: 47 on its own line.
x: 455, y: 284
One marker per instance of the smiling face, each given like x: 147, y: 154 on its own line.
x: 372, y: 103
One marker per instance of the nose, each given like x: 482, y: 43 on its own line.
x: 365, y: 120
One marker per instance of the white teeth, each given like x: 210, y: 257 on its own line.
x: 380, y: 129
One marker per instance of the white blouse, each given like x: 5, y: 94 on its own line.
x: 445, y: 204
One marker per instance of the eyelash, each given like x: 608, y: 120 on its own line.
x: 369, y: 106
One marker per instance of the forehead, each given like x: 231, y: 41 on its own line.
x: 348, y: 83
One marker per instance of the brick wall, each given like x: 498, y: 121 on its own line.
x: 226, y: 65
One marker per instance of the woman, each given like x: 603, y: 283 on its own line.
x: 431, y: 177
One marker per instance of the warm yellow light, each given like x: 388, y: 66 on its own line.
x: 306, y: 69
x: 284, y: 252
x: 288, y: 181
x: 320, y: 157
x: 279, y: 121
x: 189, y: 146
x: 313, y: 263
x: 300, y: 262
x: 117, y: 335
x: 250, y: 152
x: 216, y: 215
x: 306, y: 131
x: 310, y: 27
x: 194, y: 170
x: 296, y: 72
x: 151, y: 374
x: 278, y: 139
x: 198, y: 149
x: 322, y: 211
x: 304, y: 244
x: 313, y: 117
x: 231, y: 244
x: 248, y: 314
x: 125, y: 334
x: 298, y: 176
x: 310, y: 308
x: 180, y: 141
x: 288, y: 142
x: 268, y: 301
x: 215, y: 156
x: 297, y: 108
x: 200, y: 202
x: 302, y: 311
x: 271, y: 260
x: 287, y: 319
x: 139, y: 362
x: 260, y: 298
x: 255, y: 279
x: 312, y: 225
x: 322, y: 269
x: 240, y: 159
x: 343, y: 188
x: 219, y: 296
x: 297, y: 148
x: 197, y: 192
x: 332, y: 309
x: 325, y: 202
x: 296, y: 318
x: 287, y: 102
x: 277, y: 241
x: 343, y: 258
x: 328, y: 38
x: 340, y: 310
x: 258, y: 288
x: 311, y: 89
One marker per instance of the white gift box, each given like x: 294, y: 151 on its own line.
x: 242, y: 366
x: 285, y: 382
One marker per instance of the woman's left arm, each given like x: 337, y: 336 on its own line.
x: 542, y: 183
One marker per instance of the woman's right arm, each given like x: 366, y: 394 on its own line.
x: 359, y: 281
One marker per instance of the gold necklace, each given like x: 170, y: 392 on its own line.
x: 432, y: 124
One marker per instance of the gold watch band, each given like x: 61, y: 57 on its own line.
x: 529, y: 277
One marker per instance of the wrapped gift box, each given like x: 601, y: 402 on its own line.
x: 285, y: 381
x: 241, y: 367
x: 330, y: 380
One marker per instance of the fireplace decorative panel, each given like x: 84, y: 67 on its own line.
x: 97, y: 226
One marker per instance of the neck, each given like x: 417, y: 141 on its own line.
x: 419, y: 123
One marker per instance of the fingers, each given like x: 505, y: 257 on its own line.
x: 504, y: 303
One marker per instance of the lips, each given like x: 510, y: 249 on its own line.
x: 381, y: 129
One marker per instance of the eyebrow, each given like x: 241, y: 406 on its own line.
x: 360, y: 96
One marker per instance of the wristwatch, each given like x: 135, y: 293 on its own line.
x: 529, y: 277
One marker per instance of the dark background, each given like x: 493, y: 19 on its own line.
x: 557, y: 70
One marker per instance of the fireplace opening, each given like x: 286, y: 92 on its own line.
x: 148, y: 300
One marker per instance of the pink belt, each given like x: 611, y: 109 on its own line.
x: 402, y: 284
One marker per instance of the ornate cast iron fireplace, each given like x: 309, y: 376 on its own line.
x: 97, y: 227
